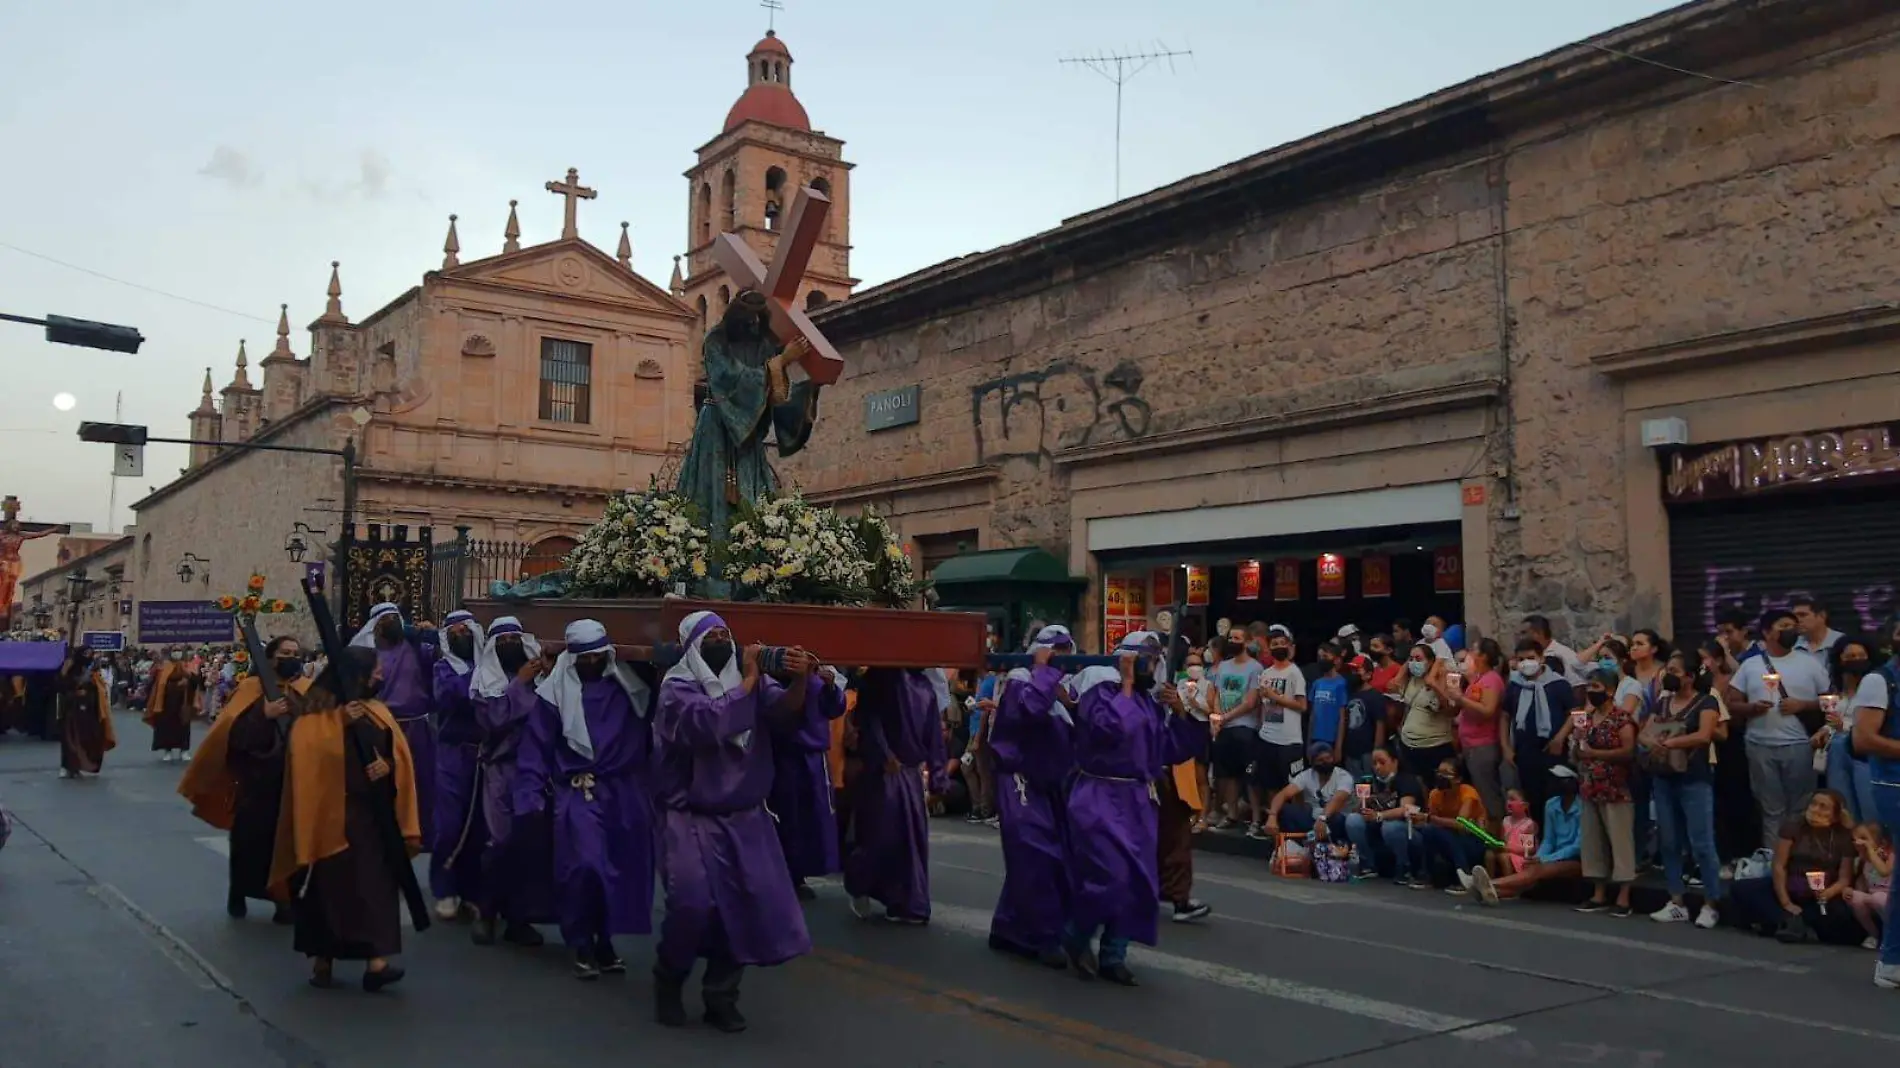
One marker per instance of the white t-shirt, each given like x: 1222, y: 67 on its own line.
x: 1802, y: 679
x: 1572, y: 664
x: 1281, y: 726
x: 1317, y: 794
x: 1632, y: 687
x: 1872, y: 694
x: 1825, y: 654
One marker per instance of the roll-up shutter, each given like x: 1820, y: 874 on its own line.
x: 1840, y: 547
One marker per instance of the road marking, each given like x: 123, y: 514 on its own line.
x: 217, y: 844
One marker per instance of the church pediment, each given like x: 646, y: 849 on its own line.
x: 573, y: 269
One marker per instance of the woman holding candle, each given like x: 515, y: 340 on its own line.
x: 1805, y: 896
x: 1852, y: 659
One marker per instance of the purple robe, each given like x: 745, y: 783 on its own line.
x: 517, y: 881
x: 1122, y: 745
x: 409, y: 693
x: 729, y: 896
x: 898, y: 719
x: 801, y: 786
x: 603, y: 817
x: 459, y: 832
x: 1033, y: 755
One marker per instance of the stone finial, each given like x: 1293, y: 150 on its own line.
x: 205, y: 405
x: 511, y: 235
x: 333, y: 310
x: 678, y: 284
x: 242, y: 379
x: 450, y: 247
x: 282, y: 351
x: 625, y: 253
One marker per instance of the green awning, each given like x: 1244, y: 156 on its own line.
x: 1003, y: 565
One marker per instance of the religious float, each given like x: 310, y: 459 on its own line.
x: 724, y: 537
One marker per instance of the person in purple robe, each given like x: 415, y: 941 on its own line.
x: 900, y: 739
x: 729, y: 895
x: 517, y: 864
x: 1029, y: 734
x: 584, y: 759
x: 407, y: 655
x: 801, y: 798
x: 459, y: 832
x: 1129, y: 729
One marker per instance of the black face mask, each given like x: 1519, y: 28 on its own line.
x: 1324, y: 771
x: 1144, y: 681
x: 372, y: 687
x: 289, y: 667
x: 1230, y: 649
x: 512, y: 657
x: 462, y: 645
x: 1671, y: 683
x: 1446, y: 782
x: 716, y: 655
x: 1567, y: 788
x: 1282, y: 654
x: 1597, y: 697
x: 590, y: 669
x: 1786, y: 638
x: 389, y: 632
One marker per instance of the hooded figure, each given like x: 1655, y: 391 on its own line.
x: 1125, y: 739
x: 900, y: 740
x: 586, y: 750
x: 1030, y: 740
x: 458, y: 833
x: 801, y: 796
x: 406, y: 656
x: 517, y: 862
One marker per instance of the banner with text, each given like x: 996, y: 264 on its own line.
x: 183, y: 622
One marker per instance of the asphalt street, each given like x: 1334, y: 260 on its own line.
x: 115, y: 950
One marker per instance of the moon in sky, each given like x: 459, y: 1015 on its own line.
x: 64, y: 401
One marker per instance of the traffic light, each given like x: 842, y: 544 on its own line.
x: 88, y: 334
x: 112, y: 433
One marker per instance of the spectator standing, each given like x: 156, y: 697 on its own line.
x: 1237, y: 726
x: 1283, y: 706
x: 1427, y: 730
x: 1569, y: 664
x: 1877, y: 734
x: 1386, y: 667
x: 1604, y: 746
x: 1771, y: 693
x: 1327, y: 694
x: 1477, y: 703
x: 1817, y: 638
x: 1850, y: 662
x: 1364, y: 719
x: 1536, y: 704
x: 1738, y: 826
x: 1675, y: 744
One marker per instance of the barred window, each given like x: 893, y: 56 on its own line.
x: 566, y: 380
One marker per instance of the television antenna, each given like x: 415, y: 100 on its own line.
x: 1120, y: 68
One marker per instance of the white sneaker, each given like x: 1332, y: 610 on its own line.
x: 1887, y: 976
x: 1481, y: 882
x: 448, y: 908
x: 64, y: 774
x: 184, y: 756
x: 1870, y: 942
x: 1670, y: 913
x: 1465, y: 880
x: 1708, y: 918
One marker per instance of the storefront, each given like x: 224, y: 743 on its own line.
x: 1755, y: 524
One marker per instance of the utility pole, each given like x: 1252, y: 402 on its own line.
x: 1121, y: 68
x: 112, y: 495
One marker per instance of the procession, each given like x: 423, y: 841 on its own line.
x: 1327, y: 536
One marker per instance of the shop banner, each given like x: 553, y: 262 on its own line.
x: 1286, y: 580
x: 1113, y: 632
x: 1164, y: 585
x: 1137, y: 599
x: 1448, y: 569
x: 1116, y: 603
x: 1332, y: 577
x: 1197, y: 591
x: 1247, y: 588
x: 1375, y: 576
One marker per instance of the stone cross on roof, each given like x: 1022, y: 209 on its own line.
x: 571, y: 190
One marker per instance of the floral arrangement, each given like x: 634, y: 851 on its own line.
x: 645, y: 543
x: 47, y: 635
x: 891, y: 581
x: 785, y: 550
x: 251, y: 604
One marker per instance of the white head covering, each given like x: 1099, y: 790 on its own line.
x: 489, y: 679
x: 693, y: 630
x: 1048, y: 637
x: 1140, y: 641
x: 461, y: 615
x: 562, y: 688
x: 939, y: 686
x: 366, y: 638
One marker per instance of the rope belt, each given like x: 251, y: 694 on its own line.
x: 584, y: 782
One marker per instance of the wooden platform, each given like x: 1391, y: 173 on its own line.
x: 846, y: 637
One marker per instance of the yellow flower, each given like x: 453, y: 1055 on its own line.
x: 699, y: 567
x: 788, y: 570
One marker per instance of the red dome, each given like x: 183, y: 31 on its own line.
x: 771, y: 43
x: 769, y: 103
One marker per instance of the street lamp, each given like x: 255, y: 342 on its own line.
x: 42, y: 612
x: 185, y: 570
x: 84, y: 332
x: 296, y: 545
x: 76, y: 586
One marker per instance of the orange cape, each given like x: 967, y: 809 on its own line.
x: 310, y: 820
x: 108, y: 738
x: 155, y: 701
x: 208, y: 783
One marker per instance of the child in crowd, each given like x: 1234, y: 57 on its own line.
x: 1874, y: 871
x: 1520, y: 836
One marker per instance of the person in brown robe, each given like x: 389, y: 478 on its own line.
x: 12, y: 703
x: 236, y: 779
x: 172, y: 704
x: 85, y: 722
x: 330, y: 857
x: 1179, y: 794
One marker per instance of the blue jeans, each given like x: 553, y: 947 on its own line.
x: 1460, y: 851
x: 1887, y: 803
x: 1114, y: 947
x: 1685, y: 812
x: 1850, y: 777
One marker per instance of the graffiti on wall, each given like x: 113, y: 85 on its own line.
x: 1036, y: 414
x: 1864, y: 608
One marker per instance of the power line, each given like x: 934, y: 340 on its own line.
x: 1121, y: 68
x: 134, y: 285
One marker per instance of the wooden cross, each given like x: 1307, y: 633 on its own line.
x: 798, y: 238
x: 572, y: 189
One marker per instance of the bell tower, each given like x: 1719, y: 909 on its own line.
x: 745, y: 179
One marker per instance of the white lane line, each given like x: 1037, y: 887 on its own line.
x: 218, y: 844
x: 1763, y: 1014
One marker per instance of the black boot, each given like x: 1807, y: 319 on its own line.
x: 669, y: 998
x: 722, y: 1013
x: 522, y: 934
x: 483, y: 932
x: 282, y: 916
x: 235, y: 906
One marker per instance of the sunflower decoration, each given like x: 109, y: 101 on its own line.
x: 249, y: 605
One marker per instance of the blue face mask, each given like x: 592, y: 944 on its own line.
x: 1416, y: 667
x: 1608, y: 664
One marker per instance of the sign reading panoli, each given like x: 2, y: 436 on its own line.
x: 889, y: 408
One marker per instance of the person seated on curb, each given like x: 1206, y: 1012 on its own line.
x: 1381, y: 829
x: 1558, y: 856
x: 1315, y: 800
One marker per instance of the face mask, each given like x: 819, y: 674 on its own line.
x: 716, y: 655
x: 1520, y: 809
x: 1597, y: 697
x: 1429, y: 632
x: 1282, y: 654
x: 1144, y: 681
x: 389, y: 630
x: 176, y: 655
x: 1446, y: 782
x: 512, y: 657
x: 1416, y: 667
x: 289, y: 667
x: 590, y: 668
x: 1786, y: 638
x: 1608, y: 663
x: 1230, y: 648
x: 1196, y: 671
x: 1384, y: 780
x: 1322, y: 770
x: 1854, y: 666
x: 462, y: 645
x: 1253, y: 649
x: 1530, y: 669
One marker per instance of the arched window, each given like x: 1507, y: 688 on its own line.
x: 145, y: 555
x: 778, y: 73
x: 705, y: 211
x: 765, y: 71
x: 816, y: 299
x: 823, y: 185
x: 548, y: 554
x: 725, y: 299
x: 774, y: 195
x: 703, y: 324
x: 728, y: 199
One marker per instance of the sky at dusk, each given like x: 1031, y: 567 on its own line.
x: 227, y: 151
